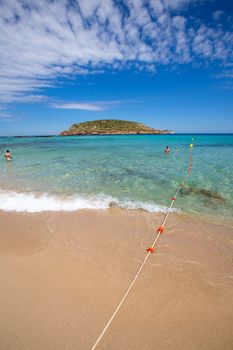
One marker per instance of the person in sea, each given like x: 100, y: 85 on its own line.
x: 166, y: 149
x: 8, y: 155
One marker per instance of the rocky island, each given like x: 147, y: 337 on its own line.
x: 111, y: 127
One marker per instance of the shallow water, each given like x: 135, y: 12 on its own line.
x: 70, y: 173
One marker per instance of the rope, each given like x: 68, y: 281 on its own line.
x: 120, y: 304
x: 150, y: 250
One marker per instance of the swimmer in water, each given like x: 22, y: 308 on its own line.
x: 8, y: 155
x: 166, y: 150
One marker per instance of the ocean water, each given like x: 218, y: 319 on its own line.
x: 71, y: 173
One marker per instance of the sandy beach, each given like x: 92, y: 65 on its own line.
x: 63, y: 274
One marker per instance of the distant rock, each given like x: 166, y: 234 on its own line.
x: 111, y: 127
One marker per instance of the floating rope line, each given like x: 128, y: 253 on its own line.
x: 149, y: 250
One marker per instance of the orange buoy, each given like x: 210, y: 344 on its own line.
x: 160, y: 229
x: 150, y: 249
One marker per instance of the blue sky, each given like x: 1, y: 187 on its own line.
x: 167, y: 63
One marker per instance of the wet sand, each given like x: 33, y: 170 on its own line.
x: 63, y: 274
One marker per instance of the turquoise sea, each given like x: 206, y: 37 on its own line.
x: 71, y: 173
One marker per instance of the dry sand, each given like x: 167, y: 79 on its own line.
x: 63, y: 274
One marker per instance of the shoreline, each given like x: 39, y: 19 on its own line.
x: 65, y: 272
x: 120, y: 134
x: 40, y: 202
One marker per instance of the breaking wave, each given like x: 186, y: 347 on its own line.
x: 32, y: 202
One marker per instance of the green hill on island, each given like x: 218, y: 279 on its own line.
x: 112, y: 127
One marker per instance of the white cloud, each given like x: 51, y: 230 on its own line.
x: 43, y: 40
x: 86, y: 106
x: 7, y: 117
x: 225, y: 74
x: 217, y: 15
x: 176, y: 4
x: 157, y: 6
x: 81, y: 106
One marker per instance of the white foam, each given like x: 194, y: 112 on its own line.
x: 31, y: 202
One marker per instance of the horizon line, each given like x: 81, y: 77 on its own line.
x: 176, y: 133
